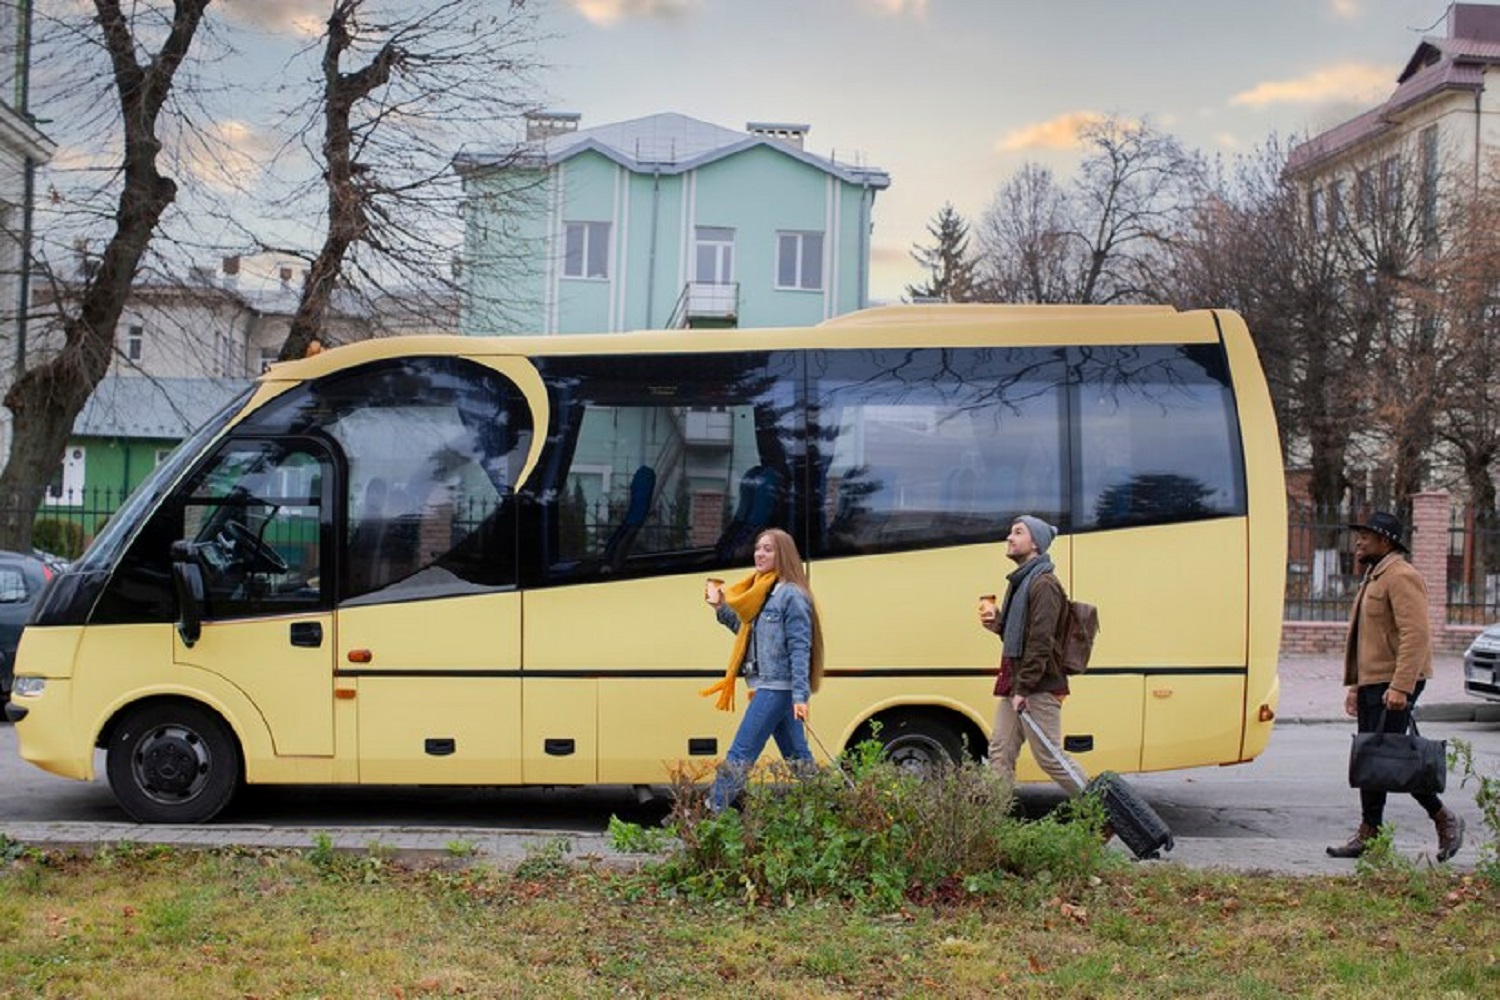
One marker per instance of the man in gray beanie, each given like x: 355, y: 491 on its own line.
x: 1031, y: 678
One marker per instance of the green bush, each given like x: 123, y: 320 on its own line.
x: 61, y: 538
x: 874, y: 834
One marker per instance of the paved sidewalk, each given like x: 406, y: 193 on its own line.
x: 1312, y: 690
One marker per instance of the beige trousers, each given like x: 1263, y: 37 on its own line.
x: 1005, y: 745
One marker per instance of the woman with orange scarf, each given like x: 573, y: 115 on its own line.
x: 778, y: 647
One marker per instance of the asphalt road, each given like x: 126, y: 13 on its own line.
x: 1275, y: 813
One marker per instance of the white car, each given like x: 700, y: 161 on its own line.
x: 1482, y: 665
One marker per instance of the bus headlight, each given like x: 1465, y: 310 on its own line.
x: 28, y: 687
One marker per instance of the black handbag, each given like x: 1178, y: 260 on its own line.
x: 1398, y: 762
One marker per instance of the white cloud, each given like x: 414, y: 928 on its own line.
x: 896, y: 8
x: 1346, y: 10
x: 607, y: 12
x: 1349, y: 81
x: 231, y: 157
x: 307, y: 18
x: 1227, y: 140
x: 1057, y: 133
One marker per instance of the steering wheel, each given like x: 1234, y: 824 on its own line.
x: 256, y: 550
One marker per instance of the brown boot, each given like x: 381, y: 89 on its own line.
x: 1450, y: 831
x: 1356, y: 845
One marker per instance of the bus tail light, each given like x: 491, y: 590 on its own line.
x: 1267, y: 713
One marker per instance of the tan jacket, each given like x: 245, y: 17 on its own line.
x: 1388, y: 625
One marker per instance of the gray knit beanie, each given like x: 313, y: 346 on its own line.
x: 1041, y: 532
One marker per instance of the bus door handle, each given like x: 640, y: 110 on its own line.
x: 308, y: 634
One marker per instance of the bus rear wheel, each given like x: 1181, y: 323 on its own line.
x: 172, y: 762
x: 920, y: 744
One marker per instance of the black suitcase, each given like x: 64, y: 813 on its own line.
x: 1134, y: 821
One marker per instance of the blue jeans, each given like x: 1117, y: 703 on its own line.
x: 768, y: 716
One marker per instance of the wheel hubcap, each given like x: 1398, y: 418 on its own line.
x: 171, y: 764
x: 915, y: 756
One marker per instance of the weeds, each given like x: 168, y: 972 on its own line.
x: 868, y: 832
x: 1487, y: 797
x: 545, y: 860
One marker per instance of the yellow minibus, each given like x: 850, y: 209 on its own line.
x: 480, y: 560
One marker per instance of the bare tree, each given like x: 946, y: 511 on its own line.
x: 46, y: 398
x: 1104, y: 237
x: 1252, y: 247
x: 403, y: 87
x: 1023, y: 241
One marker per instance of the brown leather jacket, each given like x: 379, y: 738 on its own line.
x: 1038, y: 669
x: 1390, y: 639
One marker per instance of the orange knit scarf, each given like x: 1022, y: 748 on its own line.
x: 745, y: 599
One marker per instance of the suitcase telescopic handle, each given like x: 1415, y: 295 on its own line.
x: 1067, y: 764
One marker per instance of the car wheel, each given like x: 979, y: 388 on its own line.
x: 172, y: 762
x: 919, y: 744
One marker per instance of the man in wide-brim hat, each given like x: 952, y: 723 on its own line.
x: 1387, y: 661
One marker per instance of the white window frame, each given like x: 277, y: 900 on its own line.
x: 590, y: 234
x: 135, y: 342
x: 800, y: 261
x: 712, y: 237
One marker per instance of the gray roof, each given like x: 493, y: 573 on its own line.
x: 1438, y: 65
x: 169, y: 409
x: 666, y: 143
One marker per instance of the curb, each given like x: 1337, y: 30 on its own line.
x: 1438, y: 712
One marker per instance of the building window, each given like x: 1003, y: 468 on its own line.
x: 586, y: 250
x: 1429, y: 187
x: 799, y: 261
x: 713, y: 256
x: 135, y: 337
x: 1365, y: 195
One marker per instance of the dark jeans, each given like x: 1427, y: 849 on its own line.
x: 1368, y: 702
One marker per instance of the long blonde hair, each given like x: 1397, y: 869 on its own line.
x: 790, y: 569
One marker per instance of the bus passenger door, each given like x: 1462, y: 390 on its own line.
x: 255, y: 524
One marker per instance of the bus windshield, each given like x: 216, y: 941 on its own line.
x: 106, y: 548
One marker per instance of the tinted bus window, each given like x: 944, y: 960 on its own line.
x: 661, y: 464
x: 432, y: 447
x: 1158, y: 441
x: 935, y: 446
x: 254, y: 515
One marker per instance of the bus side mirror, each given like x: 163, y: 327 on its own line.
x: 187, y: 582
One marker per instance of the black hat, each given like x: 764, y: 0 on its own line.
x: 1387, y: 526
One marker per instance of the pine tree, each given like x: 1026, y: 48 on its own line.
x: 950, y: 269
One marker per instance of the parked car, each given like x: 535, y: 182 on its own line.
x: 22, y: 578
x: 1482, y: 665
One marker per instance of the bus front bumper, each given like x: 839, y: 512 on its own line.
x: 45, y: 734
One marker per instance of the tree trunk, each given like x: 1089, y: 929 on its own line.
x: 47, y: 399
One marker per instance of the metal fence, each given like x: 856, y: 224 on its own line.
x: 1321, y: 577
x: 1473, y: 569
x: 66, y: 522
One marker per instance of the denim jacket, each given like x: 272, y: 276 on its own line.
x: 781, y: 644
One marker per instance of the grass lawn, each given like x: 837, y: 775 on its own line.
x: 162, y: 923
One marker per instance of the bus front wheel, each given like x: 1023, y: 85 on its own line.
x: 172, y: 762
x: 919, y: 743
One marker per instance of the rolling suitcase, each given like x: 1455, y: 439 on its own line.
x: 1134, y: 821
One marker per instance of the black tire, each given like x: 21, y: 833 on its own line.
x: 172, y: 762
x: 920, y: 744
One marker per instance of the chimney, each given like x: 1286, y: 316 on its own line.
x: 787, y: 133
x: 546, y: 124
x: 1475, y: 22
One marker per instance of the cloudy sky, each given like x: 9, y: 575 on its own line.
x: 952, y: 96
